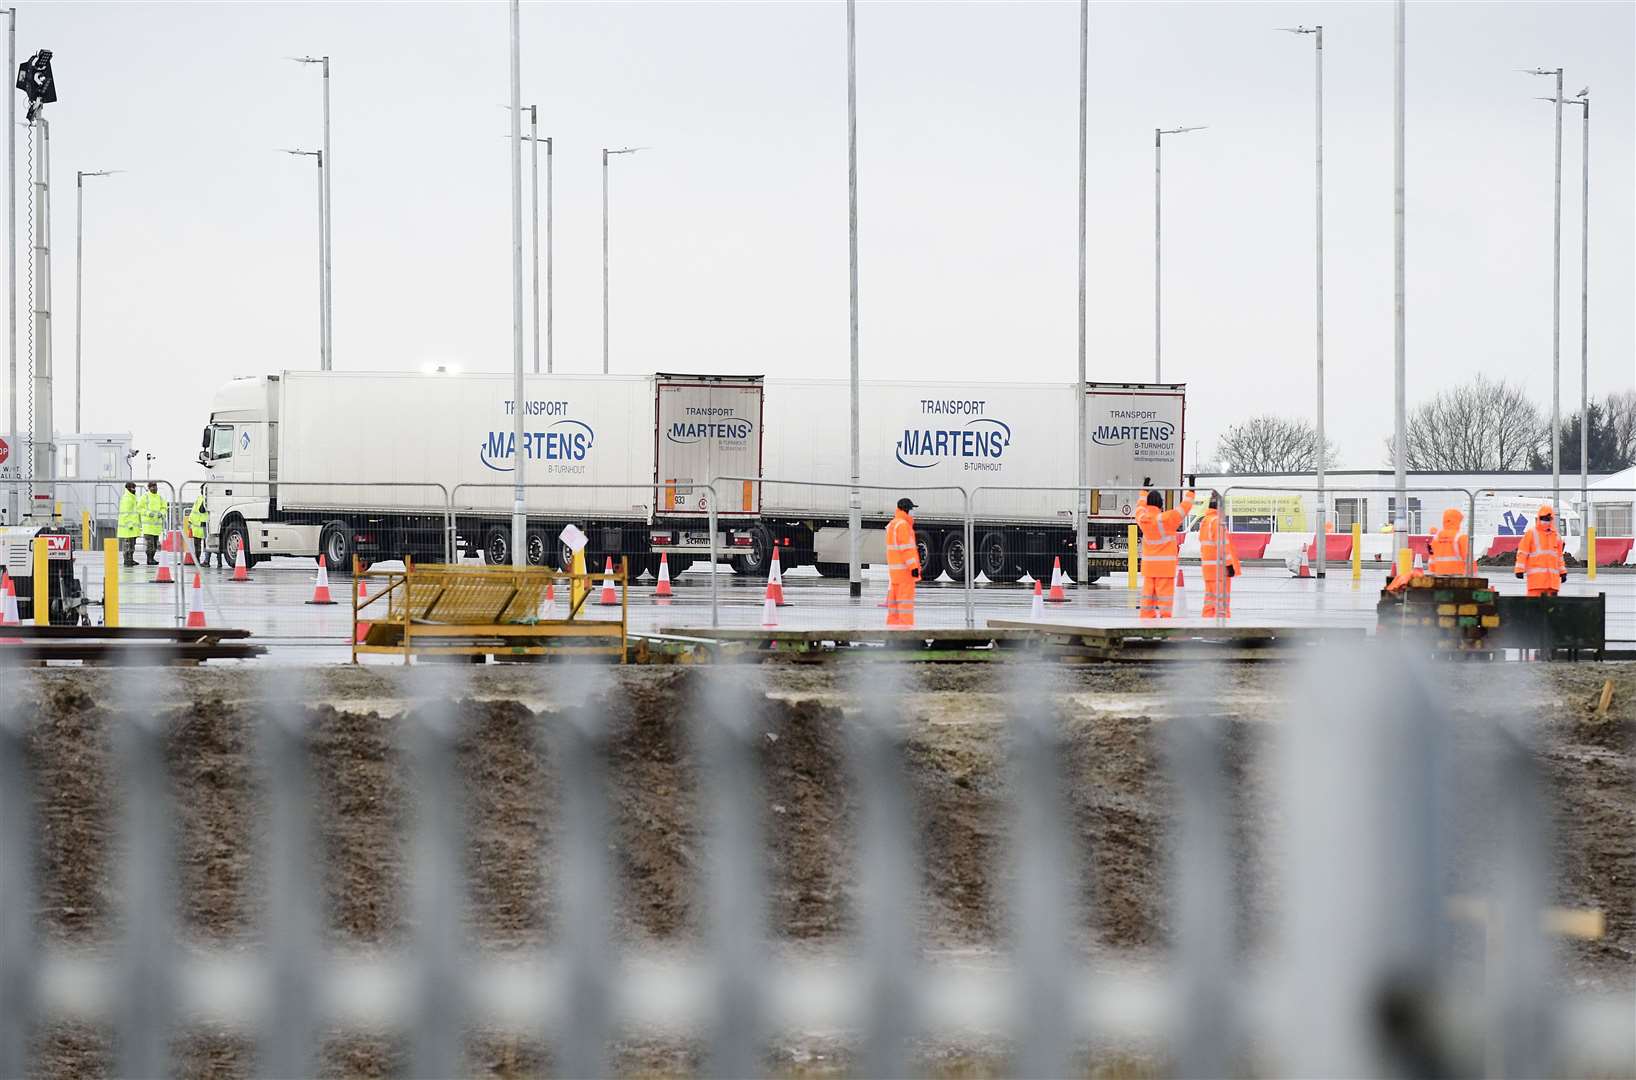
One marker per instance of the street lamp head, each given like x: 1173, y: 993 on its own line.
x: 302, y: 153
x: 628, y: 150
x: 1299, y: 29
x: 1540, y: 71
x: 308, y: 59
x: 1180, y: 130
x: 99, y: 172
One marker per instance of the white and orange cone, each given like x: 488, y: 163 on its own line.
x: 8, y: 607
x: 320, y: 588
x: 195, y: 603
x: 610, y: 597
x: 241, y: 567
x: 163, y: 577
x: 1181, y: 578
x: 663, y: 587
x: 1057, y: 596
x: 769, y: 608
x: 549, y: 610
x: 1037, y: 611
x: 1305, y: 569
x: 775, y: 582
x: 187, y: 552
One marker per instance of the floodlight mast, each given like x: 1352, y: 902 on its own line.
x: 34, y: 78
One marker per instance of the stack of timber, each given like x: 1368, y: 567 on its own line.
x: 1453, y: 614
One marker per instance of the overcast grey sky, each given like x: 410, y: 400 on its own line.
x: 729, y: 237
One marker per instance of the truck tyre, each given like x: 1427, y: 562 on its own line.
x: 236, y: 538
x: 497, y: 545
x: 954, y: 555
x: 539, y: 548
x: 929, y: 549
x: 832, y: 569
x: 995, y: 561
x: 335, y: 546
x: 759, y: 559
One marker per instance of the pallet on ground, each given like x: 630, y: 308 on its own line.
x: 1148, y: 643
x: 127, y: 645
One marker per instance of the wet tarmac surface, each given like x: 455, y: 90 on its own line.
x: 273, y: 605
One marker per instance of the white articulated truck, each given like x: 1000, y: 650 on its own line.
x: 1001, y: 437
x: 358, y: 463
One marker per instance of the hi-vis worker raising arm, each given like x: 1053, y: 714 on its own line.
x: 902, y: 566
x: 130, y: 522
x: 1218, y: 560
x: 1539, y: 556
x: 1161, y: 552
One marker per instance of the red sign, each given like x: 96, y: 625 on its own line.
x: 55, y: 543
x: 5, y: 451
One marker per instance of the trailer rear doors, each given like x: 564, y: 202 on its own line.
x: 707, y: 426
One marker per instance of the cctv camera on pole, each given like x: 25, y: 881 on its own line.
x: 34, y: 79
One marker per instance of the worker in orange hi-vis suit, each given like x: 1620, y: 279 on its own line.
x: 1449, y: 547
x: 902, y: 566
x: 1219, y: 562
x: 1161, y: 553
x: 1539, y: 556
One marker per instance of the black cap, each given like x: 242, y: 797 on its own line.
x: 905, y: 505
x: 1156, y: 498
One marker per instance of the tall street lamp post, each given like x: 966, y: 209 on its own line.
x: 327, y: 328
x: 1317, y: 33
x: 79, y: 285
x: 1158, y: 189
x: 1556, y: 295
x: 534, y: 140
x: 606, y: 153
x: 1583, y: 100
x: 323, y: 297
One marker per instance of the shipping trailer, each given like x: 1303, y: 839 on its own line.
x: 1003, y: 437
x: 306, y: 463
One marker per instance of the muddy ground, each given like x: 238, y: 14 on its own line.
x: 1111, y: 718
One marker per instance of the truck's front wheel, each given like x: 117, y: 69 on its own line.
x: 335, y: 546
x: 236, y: 538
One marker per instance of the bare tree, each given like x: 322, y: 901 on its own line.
x: 1271, y: 444
x: 1620, y: 410
x: 1483, y: 426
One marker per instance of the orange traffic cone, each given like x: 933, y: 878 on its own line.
x: 609, y: 598
x: 1181, y: 578
x: 195, y: 603
x: 8, y: 607
x: 769, y: 607
x: 1057, y: 595
x: 1037, y: 611
x: 361, y: 629
x: 164, y: 576
x: 187, y: 552
x: 1305, y: 569
x: 241, y: 568
x: 663, y: 587
x: 775, y: 582
x: 320, y: 588
x: 549, y: 611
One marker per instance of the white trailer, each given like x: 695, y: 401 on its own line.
x: 342, y: 463
x: 963, y: 435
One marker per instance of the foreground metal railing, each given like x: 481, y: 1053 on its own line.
x: 1360, y: 981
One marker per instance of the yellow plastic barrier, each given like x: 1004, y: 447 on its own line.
x: 42, y: 585
x: 110, y: 582
x: 579, y: 586
x: 1405, y: 561
x: 85, y: 529
x: 1357, y: 551
x: 1590, y: 553
x: 1130, y: 556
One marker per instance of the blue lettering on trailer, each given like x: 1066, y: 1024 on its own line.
x: 566, y: 440
x: 983, y: 438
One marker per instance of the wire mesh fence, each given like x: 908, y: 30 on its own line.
x: 1361, y: 975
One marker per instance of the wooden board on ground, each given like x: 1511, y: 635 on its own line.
x: 1173, y: 642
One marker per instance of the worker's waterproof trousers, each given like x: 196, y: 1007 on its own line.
x: 1218, y: 593
x: 900, y: 599
x: 1158, y: 596
x: 1542, y: 592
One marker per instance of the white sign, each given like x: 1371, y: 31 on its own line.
x: 575, y: 539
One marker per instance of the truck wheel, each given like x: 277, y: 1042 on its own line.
x: 832, y: 569
x: 538, y: 549
x: 335, y: 546
x: 236, y: 538
x: 757, y: 562
x: 954, y: 555
x: 497, y: 545
x: 931, y: 556
x: 994, y: 561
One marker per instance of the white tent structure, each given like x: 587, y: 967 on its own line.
x: 1614, y: 503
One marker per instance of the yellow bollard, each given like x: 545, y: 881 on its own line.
x: 42, y: 584
x: 1130, y: 556
x: 110, y: 582
x: 85, y: 529
x: 579, y: 587
x: 1590, y: 553
x: 1357, y: 551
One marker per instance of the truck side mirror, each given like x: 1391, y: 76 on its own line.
x: 205, y: 441
x: 204, y: 458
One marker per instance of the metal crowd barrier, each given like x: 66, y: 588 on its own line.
x: 1359, y: 982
